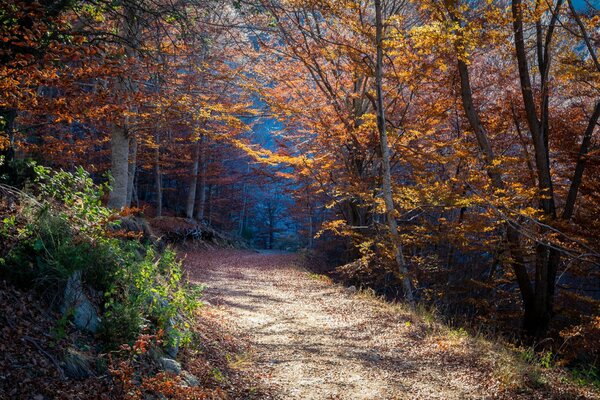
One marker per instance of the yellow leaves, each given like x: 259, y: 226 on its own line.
x: 263, y: 156
x: 530, y: 212
x: 338, y: 227
x: 428, y: 37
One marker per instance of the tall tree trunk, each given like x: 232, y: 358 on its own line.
x: 311, y: 234
x: 207, y: 207
x: 242, y: 224
x: 587, y: 136
x: 385, y: 159
x: 132, y: 169
x: 119, y: 158
x: 311, y: 228
x: 200, y: 213
x: 580, y: 166
x: 537, y: 319
x: 158, y: 176
x: 118, y: 198
x: 191, y: 200
x: 538, y: 128
x: 271, y: 220
x: 512, y: 234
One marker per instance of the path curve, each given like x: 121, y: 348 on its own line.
x: 322, y: 341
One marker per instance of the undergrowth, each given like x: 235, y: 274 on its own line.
x: 59, y: 227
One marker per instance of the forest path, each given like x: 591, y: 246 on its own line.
x: 318, y: 340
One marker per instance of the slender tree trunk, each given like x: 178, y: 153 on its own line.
x: 158, y: 176
x: 512, y: 234
x: 191, y: 200
x: 537, y: 320
x: 200, y: 213
x: 242, y: 225
x: 132, y: 168
x: 207, y: 208
x: 119, y: 157
x: 580, y: 166
x: 135, y: 194
x: 385, y: 156
x: 311, y: 233
x: 586, y: 36
x: 271, y: 218
x: 537, y: 128
x: 530, y: 167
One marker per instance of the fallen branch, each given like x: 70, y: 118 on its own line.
x: 47, y: 355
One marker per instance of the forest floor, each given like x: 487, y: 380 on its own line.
x: 313, y: 339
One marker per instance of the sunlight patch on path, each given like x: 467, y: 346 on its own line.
x: 321, y: 342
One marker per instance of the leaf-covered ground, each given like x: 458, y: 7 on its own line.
x: 313, y: 339
x: 33, y: 343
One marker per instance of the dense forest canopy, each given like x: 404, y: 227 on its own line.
x: 444, y: 152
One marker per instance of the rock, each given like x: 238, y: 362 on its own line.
x: 75, y: 301
x: 173, y: 342
x: 172, y: 346
x: 351, y: 289
x: 189, y: 379
x: 77, y: 365
x: 170, y: 365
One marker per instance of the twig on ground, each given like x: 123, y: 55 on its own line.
x: 47, y: 355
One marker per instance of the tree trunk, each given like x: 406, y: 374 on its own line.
x: 537, y: 128
x: 158, y: 177
x: 271, y: 220
x: 207, y: 203
x: 580, y: 166
x: 512, y: 234
x: 537, y: 317
x: 200, y: 214
x: 119, y: 157
x: 191, y: 200
x: 385, y: 159
x: 118, y: 198
x: 132, y: 168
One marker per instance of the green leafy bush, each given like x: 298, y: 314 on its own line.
x: 62, y: 227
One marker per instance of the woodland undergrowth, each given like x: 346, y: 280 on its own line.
x: 53, y: 225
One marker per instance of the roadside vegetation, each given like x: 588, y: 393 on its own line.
x: 116, y: 305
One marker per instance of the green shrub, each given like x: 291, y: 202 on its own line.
x: 153, y: 286
x: 63, y: 228
x: 586, y: 375
x: 122, y: 322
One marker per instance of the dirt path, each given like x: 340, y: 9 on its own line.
x: 322, y: 341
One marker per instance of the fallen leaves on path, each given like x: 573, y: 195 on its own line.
x: 318, y: 340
